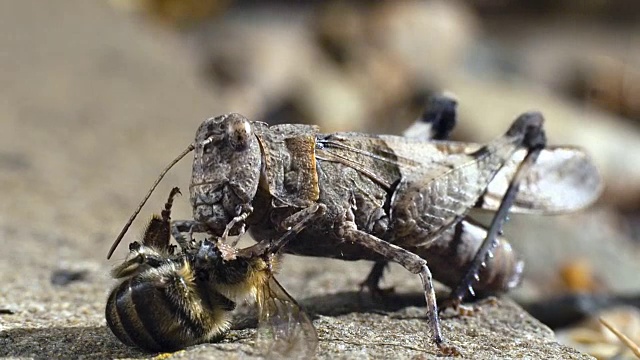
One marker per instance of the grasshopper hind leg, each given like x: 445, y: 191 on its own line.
x: 535, y: 140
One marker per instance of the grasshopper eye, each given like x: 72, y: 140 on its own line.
x: 207, y: 148
x: 239, y: 132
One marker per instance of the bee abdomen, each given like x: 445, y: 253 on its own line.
x: 160, y: 313
x: 113, y: 319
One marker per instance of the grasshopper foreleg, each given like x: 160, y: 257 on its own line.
x: 290, y: 226
x: 296, y: 223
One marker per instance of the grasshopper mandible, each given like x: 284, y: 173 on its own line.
x: 404, y: 199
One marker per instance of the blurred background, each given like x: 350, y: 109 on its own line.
x: 96, y: 97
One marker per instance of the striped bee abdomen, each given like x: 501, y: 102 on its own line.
x: 161, y: 309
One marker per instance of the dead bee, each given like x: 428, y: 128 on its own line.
x: 383, y: 198
x: 167, y: 300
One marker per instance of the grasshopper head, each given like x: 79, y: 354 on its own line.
x: 226, y: 171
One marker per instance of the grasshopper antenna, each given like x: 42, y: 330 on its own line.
x: 153, y: 187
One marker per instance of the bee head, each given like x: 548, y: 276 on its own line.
x: 217, y: 262
x: 207, y: 259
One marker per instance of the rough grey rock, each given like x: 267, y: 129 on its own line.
x: 348, y: 328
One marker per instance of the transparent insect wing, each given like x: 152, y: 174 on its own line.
x: 284, y: 330
x: 563, y: 179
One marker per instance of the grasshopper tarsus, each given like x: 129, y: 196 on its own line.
x: 445, y: 348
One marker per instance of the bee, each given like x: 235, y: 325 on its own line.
x: 167, y: 300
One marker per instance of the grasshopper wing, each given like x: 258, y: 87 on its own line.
x: 563, y: 179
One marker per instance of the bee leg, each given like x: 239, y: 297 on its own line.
x: 372, y: 282
x: 166, y: 212
x: 536, y: 142
x: 181, y: 227
x: 157, y: 233
x: 410, y: 261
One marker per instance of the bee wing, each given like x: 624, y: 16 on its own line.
x: 284, y: 330
x: 563, y: 179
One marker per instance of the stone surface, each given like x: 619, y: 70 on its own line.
x: 92, y: 106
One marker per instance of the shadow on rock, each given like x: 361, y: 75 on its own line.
x: 63, y: 342
x: 362, y: 302
x: 343, y: 303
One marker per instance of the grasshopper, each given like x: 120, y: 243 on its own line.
x: 383, y: 198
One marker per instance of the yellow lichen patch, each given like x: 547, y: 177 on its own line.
x: 166, y: 355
